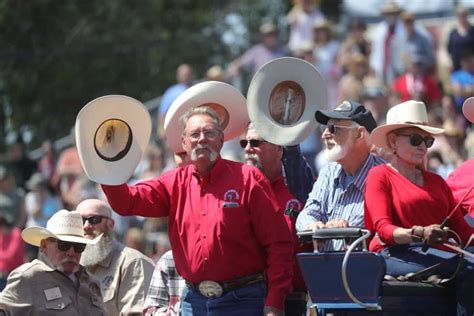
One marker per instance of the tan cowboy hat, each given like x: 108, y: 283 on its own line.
x: 407, y: 114
x: 468, y: 109
x: 282, y: 98
x: 112, y: 132
x: 223, y: 98
x: 391, y: 7
x: 63, y: 225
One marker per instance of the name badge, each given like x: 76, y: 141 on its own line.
x: 52, y: 293
x: 230, y: 204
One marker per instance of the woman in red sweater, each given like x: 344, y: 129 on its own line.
x: 405, y: 205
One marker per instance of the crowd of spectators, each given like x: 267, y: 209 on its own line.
x: 394, y: 60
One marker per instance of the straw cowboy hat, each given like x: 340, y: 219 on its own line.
x: 63, y: 225
x: 282, y: 98
x: 407, y: 114
x: 223, y: 98
x: 112, y: 132
x: 468, y: 109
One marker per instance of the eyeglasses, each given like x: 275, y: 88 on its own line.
x: 417, y: 139
x: 66, y: 245
x: 93, y: 220
x: 333, y: 128
x: 208, y: 134
x: 253, y: 142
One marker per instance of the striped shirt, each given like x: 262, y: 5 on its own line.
x: 331, y: 199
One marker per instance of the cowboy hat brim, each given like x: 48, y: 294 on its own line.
x: 468, y: 109
x: 298, y: 75
x: 378, y: 136
x: 118, y: 108
x: 34, y: 234
x: 226, y: 100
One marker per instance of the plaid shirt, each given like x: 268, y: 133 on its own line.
x: 165, y: 290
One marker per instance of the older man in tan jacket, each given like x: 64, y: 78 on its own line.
x: 55, y: 283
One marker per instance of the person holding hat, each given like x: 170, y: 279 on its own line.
x: 55, y: 283
x: 405, y: 205
x: 124, y: 273
x: 337, y: 197
x: 281, y: 172
x: 229, y: 239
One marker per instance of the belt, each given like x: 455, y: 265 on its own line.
x: 212, y: 289
x: 296, y: 296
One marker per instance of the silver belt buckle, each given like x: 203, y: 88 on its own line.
x: 210, y: 289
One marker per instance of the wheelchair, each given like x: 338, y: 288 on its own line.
x: 352, y: 283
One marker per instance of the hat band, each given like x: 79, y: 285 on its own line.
x: 109, y: 138
x: 415, y: 123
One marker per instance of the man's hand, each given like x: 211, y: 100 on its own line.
x: 337, y: 223
x: 272, y: 311
x: 434, y: 234
x: 315, y: 225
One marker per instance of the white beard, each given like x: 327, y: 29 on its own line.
x: 337, y: 152
x: 212, y: 157
x: 93, y: 254
x: 253, y: 160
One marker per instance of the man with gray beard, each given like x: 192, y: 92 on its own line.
x: 337, y: 198
x: 124, y: 273
x: 55, y: 283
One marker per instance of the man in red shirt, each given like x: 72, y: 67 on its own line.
x: 226, y: 230
x: 268, y: 158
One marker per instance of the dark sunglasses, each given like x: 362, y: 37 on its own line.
x: 66, y: 245
x: 93, y: 220
x: 333, y: 128
x: 253, y: 142
x: 417, y: 139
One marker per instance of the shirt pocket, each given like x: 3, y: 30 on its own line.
x: 234, y: 223
x: 59, y: 303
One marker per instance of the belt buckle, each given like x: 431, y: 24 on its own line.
x: 210, y: 289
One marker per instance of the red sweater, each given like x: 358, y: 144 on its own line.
x: 392, y: 201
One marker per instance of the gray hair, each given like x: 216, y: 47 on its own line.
x: 201, y: 110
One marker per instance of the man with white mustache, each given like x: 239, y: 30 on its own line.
x: 337, y: 198
x: 55, y: 283
x: 124, y: 273
x: 280, y: 164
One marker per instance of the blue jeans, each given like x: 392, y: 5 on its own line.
x: 404, y: 259
x: 247, y: 300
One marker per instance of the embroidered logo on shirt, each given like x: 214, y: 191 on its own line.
x: 52, y: 293
x: 231, y: 199
x: 293, y: 207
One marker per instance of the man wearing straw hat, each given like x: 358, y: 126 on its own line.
x: 228, y: 236
x: 55, y: 283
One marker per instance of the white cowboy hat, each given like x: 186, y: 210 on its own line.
x: 468, y: 109
x: 112, y: 132
x: 407, y: 114
x: 63, y: 225
x: 282, y: 98
x: 223, y: 98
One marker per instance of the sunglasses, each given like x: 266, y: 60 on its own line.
x: 417, y: 139
x: 333, y: 128
x: 253, y: 142
x: 93, y: 220
x: 66, y: 245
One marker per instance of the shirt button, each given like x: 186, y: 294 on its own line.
x: 203, y: 213
x: 205, y: 259
x: 204, y: 236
